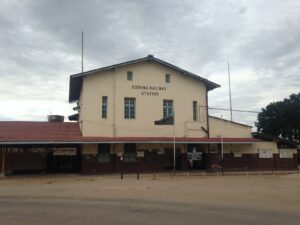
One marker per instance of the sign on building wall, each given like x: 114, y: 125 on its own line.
x: 286, y: 153
x: 237, y: 154
x: 265, y: 153
x: 149, y: 90
x: 194, y: 155
x: 64, y: 151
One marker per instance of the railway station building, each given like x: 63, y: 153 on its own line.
x: 128, y: 118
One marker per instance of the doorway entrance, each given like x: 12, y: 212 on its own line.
x: 169, y: 159
x: 64, y: 160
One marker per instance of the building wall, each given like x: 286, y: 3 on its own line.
x: 225, y: 128
x: 252, y: 148
x: 182, y: 90
x: 90, y: 165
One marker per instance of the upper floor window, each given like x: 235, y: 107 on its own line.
x: 129, y: 75
x: 168, y: 108
x: 168, y: 78
x: 129, y: 108
x: 104, y: 106
x: 195, y: 106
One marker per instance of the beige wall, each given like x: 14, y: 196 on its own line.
x: 182, y: 90
x: 224, y: 128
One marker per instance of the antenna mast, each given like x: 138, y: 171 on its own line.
x: 82, y: 51
x: 230, y: 102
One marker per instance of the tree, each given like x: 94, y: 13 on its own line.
x: 281, y: 119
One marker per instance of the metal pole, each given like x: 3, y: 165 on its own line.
x: 82, y: 51
x: 122, y: 166
x: 230, y: 102
x: 222, y: 148
x: 174, y: 148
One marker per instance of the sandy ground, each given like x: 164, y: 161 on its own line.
x: 75, y: 199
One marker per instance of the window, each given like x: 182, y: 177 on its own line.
x: 168, y: 108
x: 104, y: 106
x: 195, y: 110
x: 129, y: 153
x: 129, y: 108
x: 152, y: 156
x: 129, y: 75
x: 168, y: 78
x: 103, y: 153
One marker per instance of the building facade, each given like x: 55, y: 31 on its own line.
x: 115, y: 127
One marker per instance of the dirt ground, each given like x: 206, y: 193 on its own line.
x: 183, y: 199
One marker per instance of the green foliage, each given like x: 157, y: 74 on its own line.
x: 281, y: 119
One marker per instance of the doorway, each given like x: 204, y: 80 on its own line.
x: 64, y: 160
x: 169, y: 159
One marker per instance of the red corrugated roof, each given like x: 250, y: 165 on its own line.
x: 20, y: 131
x: 44, y: 132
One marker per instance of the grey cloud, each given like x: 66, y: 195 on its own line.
x: 41, y: 45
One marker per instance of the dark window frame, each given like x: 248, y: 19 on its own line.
x: 168, y: 108
x: 104, y: 107
x: 129, y: 75
x: 129, y: 108
x: 168, y: 78
x: 103, y: 153
x: 195, y: 110
x: 130, y: 154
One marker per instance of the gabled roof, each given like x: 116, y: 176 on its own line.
x: 76, y: 79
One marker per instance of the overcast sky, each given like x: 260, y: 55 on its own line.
x: 40, y: 46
